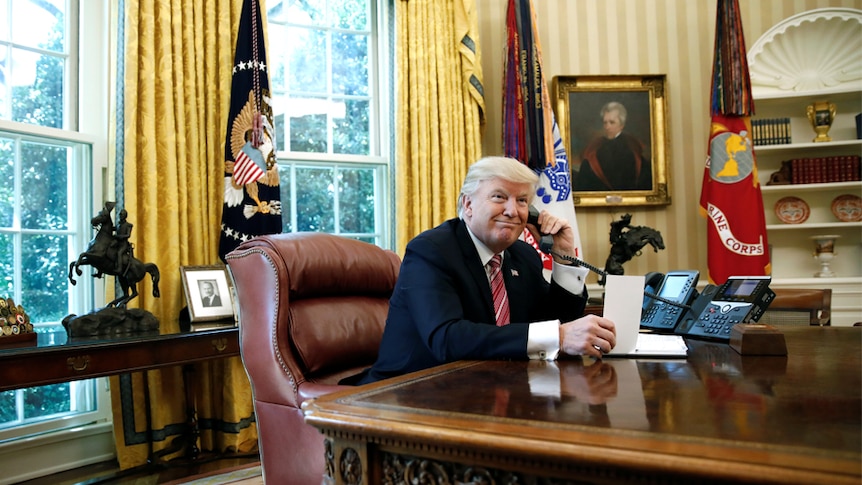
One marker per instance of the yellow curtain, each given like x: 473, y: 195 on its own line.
x: 440, y: 109
x: 176, y: 74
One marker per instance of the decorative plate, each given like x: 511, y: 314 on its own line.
x: 847, y: 208
x: 792, y: 210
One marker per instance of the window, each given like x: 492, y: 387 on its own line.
x: 329, y: 70
x: 47, y: 160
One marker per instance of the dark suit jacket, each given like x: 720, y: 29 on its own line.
x: 216, y: 301
x: 441, y: 309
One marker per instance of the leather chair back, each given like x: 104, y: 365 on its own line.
x: 312, y: 308
x: 799, y: 306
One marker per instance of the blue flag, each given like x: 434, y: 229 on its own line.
x: 252, y: 199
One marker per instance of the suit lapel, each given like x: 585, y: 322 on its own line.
x: 476, y: 270
x: 517, y: 277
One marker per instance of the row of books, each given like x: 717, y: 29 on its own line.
x: 821, y: 170
x: 770, y: 131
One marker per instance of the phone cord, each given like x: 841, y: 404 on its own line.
x: 604, y: 273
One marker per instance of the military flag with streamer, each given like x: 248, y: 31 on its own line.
x: 530, y: 131
x: 252, y: 199
x: 731, y: 199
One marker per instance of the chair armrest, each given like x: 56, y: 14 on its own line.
x: 310, y: 390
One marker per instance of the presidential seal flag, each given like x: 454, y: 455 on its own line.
x: 530, y: 131
x: 252, y: 200
x: 731, y: 199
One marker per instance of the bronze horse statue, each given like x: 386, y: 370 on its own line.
x: 109, y: 254
x: 627, y: 242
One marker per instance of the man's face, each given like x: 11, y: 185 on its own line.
x: 497, y: 212
x: 612, y: 125
x: 207, y: 289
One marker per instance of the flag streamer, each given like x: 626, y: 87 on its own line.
x: 530, y: 131
x: 731, y: 83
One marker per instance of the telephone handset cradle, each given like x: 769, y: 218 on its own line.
x: 741, y: 299
x: 674, y: 291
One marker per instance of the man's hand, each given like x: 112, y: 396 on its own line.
x: 592, y: 384
x: 560, y: 229
x: 589, y: 335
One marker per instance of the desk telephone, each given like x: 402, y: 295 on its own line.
x: 672, y: 303
x: 711, y: 314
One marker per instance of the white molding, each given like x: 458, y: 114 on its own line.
x: 34, y: 457
x: 819, y: 51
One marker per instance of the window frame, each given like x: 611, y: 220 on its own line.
x: 381, y: 146
x: 37, y: 449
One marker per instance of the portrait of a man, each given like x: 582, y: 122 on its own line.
x: 209, y: 293
x: 614, y: 159
x: 615, y: 132
x: 612, y: 143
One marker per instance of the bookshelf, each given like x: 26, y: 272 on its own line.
x: 782, y: 96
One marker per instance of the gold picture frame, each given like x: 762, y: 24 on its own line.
x: 580, y: 102
x: 198, y: 282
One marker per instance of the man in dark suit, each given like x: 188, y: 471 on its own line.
x: 209, y: 297
x: 442, y: 309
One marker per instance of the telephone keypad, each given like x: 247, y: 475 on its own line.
x: 667, y: 315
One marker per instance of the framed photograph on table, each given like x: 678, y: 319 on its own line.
x: 208, y: 293
x: 615, y: 132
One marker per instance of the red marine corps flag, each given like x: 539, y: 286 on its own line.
x: 731, y: 199
x: 252, y: 200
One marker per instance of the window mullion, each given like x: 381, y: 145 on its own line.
x: 336, y: 184
x: 330, y: 123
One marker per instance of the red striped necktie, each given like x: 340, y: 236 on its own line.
x: 498, y: 290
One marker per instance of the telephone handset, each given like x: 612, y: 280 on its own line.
x: 546, y: 244
x: 675, y: 291
x: 741, y: 299
x: 547, y: 241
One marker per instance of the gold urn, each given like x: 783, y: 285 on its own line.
x: 821, y: 114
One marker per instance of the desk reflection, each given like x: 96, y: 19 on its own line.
x: 716, y: 416
x: 606, y: 393
x: 714, y: 392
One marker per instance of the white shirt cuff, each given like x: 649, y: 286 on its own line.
x: 571, y: 277
x: 543, y: 340
x: 544, y: 379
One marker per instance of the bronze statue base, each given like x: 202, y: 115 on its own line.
x: 110, y: 321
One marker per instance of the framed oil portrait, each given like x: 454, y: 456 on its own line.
x: 615, y: 132
x: 208, y: 294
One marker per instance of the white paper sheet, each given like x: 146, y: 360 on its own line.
x: 623, y: 304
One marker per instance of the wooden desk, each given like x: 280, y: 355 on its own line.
x: 54, y: 358
x: 714, y: 417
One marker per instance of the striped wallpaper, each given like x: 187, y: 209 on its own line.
x: 672, y: 37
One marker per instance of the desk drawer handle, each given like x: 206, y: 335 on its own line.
x: 219, y: 344
x: 78, y: 363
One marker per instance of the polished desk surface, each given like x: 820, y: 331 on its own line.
x: 716, y: 415
x: 54, y: 357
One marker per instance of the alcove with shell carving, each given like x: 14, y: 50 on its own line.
x: 805, y: 60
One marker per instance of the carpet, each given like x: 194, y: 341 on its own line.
x: 242, y: 475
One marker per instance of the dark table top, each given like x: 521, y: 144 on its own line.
x: 801, y: 410
x: 55, y: 357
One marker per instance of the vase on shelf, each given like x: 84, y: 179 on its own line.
x: 824, y: 251
x: 821, y: 114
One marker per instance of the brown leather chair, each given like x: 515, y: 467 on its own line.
x: 312, y: 308
x: 799, y: 306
